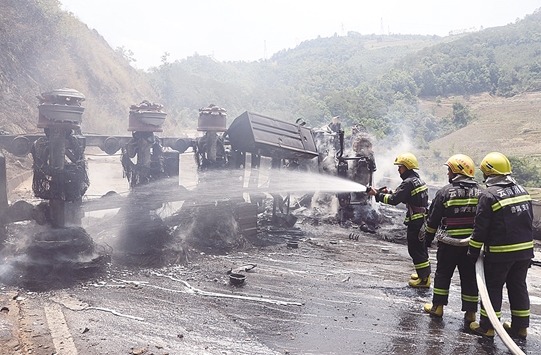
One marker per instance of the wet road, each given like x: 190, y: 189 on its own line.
x: 332, y: 295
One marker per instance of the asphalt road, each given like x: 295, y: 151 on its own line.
x: 331, y: 295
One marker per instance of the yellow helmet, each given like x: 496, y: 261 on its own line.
x: 495, y: 164
x: 461, y: 164
x: 408, y: 160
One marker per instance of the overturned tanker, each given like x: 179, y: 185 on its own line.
x: 284, y: 145
x: 231, y: 161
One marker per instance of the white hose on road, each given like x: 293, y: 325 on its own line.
x: 483, y: 292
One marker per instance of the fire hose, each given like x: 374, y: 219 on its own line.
x: 442, y: 236
x: 483, y: 292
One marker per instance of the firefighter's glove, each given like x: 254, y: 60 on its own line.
x: 429, y: 238
x: 371, y: 191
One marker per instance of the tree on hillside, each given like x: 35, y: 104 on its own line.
x: 525, y: 172
x: 498, y: 60
x: 127, y: 54
x: 461, y: 115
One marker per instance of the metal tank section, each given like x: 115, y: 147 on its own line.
x: 64, y: 253
x: 210, y: 148
x: 286, y: 144
x: 147, y: 166
x: 60, y: 175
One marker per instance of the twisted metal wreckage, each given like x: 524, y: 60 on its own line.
x: 66, y: 252
x: 60, y: 177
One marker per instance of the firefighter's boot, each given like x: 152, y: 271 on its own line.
x: 477, y: 329
x: 519, y: 333
x: 420, y: 283
x: 414, y: 276
x: 469, y: 317
x: 435, y: 310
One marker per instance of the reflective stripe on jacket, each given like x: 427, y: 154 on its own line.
x: 504, y: 223
x: 412, y: 191
x: 453, y: 208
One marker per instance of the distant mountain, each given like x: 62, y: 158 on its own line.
x: 372, y: 80
x: 300, y: 82
x: 504, y: 61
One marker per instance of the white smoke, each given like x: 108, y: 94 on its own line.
x: 385, y: 153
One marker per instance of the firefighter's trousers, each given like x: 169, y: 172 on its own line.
x: 513, y: 274
x: 417, y: 249
x: 450, y: 257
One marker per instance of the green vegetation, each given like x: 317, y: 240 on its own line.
x: 44, y: 48
x: 374, y: 81
x: 319, y: 79
x: 503, y: 61
x: 525, y: 171
x: 427, y: 88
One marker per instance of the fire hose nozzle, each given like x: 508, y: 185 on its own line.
x: 381, y: 189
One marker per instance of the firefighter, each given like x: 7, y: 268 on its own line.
x: 451, y: 215
x: 503, y: 231
x: 413, y: 192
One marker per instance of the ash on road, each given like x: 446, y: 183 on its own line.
x: 330, y: 295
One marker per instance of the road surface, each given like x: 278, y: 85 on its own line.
x: 331, y: 295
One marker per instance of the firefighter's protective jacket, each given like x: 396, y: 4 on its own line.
x: 453, y: 208
x: 503, y: 222
x: 412, y: 191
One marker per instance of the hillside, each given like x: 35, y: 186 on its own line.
x: 509, y: 125
x: 312, y: 81
x: 502, y: 60
x: 374, y: 81
x: 379, y: 82
x: 44, y: 48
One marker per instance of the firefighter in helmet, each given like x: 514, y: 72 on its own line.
x: 413, y: 192
x: 451, y: 216
x: 503, y: 231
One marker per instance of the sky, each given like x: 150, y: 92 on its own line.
x: 250, y: 30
